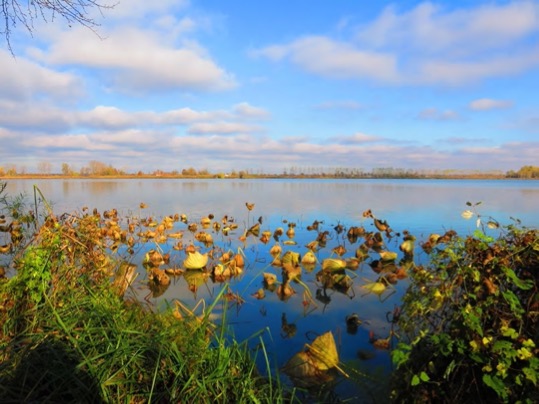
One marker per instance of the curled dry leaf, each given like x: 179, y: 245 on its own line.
x: 308, y: 258
x: 195, y: 260
x: 269, y: 279
x: 333, y: 264
x: 259, y: 294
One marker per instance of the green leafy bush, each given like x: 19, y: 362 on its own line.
x: 471, y: 322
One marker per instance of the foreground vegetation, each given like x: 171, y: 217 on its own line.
x: 472, y: 321
x: 68, y: 334
x: 72, y: 329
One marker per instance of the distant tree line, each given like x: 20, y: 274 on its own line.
x: 525, y: 172
x: 98, y: 168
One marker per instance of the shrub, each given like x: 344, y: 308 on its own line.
x: 471, y: 318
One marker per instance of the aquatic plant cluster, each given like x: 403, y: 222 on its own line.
x: 71, y: 289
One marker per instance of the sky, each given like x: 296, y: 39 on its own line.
x: 273, y: 86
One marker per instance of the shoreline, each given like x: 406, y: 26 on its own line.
x: 261, y: 177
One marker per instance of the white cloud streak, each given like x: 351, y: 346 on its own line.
x: 485, y: 104
x: 434, y: 114
x: 327, y: 57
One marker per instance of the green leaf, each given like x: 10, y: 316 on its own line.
x: 513, y: 301
x: 482, y: 236
x: 531, y: 375
x: 401, y: 354
x: 415, y: 380
x: 519, y: 283
x: 449, y: 369
x: 502, y: 345
x: 496, y: 384
x: 424, y: 377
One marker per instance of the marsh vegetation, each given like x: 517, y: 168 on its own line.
x: 80, y: 288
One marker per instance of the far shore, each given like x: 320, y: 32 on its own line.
x: 261, y: 176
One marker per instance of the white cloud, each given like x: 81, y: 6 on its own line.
x: 429, y: 28
x: 34, y: 116
x: 222, y: 128
x: 343, y: 104
x: 484, y: 104
x: 43, y: 117
x: 24, y: 79
x: 435, y: 114
x: 450, y: 72
x: 356, y: 139
x: 425, y: 45
x: 184, y: 116
x: 245, y: 110
x: 61, y: 143
x: 138, y: 60
x: 327, y: 57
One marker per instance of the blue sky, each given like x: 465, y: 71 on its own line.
x: 271, y: 85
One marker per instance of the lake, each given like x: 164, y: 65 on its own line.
x: 421, y: 207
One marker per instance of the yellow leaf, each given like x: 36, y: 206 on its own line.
x: 323, y: 352
x: 195, y: 260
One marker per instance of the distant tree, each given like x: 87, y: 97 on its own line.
x: 511, y: 174
x: 23, y: 13
x: 11, y: 170
x: 189, y: 171
x: 528, y: 172
x: 66, y: 169
x: 97, y: 167
x: 44, y: 167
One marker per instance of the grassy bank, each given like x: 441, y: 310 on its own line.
x: 69, y: 334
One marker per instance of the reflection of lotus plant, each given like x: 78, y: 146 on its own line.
x: 338, y: 281
x: 352, y: 323
x: 284, y: 291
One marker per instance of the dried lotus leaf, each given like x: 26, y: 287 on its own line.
x: 195, y: 260
x: 323, y: 352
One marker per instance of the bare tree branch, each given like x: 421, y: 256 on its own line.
x: 23, y: 13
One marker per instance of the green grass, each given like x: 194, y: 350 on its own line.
x: 94, y: 347
x: 68, y: 335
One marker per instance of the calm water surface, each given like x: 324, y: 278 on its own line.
x: 420, y: 206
